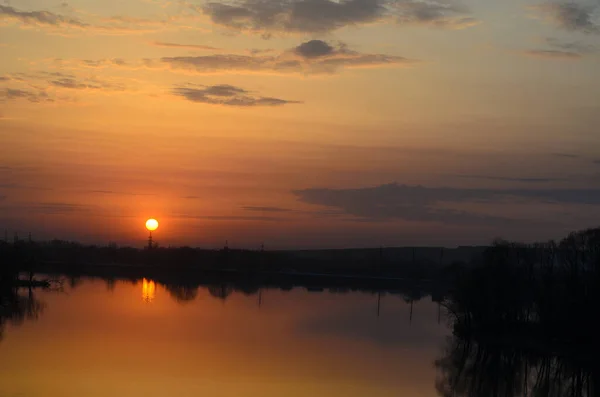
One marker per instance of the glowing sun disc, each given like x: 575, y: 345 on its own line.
x: 151, y: 224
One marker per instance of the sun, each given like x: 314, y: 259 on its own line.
x: 151, y: 224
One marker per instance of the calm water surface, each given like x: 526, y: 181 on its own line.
x: 140, y: 339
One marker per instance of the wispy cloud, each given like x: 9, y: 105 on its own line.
x: 512, y: 179
x: 102, y: 63
x: 553, y: 54
x: 440, y: 14
x: 566, y: 155
x: 48, y: 208
x: 46, y: 87
x: 8, y: 94
x: 85, y: 84
x: 65, y: 25
x: 265, y: 209
x: 227, y: 95
x: 557, y: 49
x: 38, y: 18
x: 118, y: 193
x: 574, y: 46
x: 230, y: 218
x: 184, y: 46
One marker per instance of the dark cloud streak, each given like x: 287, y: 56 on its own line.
x: 553, y: 54
x: 315, y: 56
x: 419, y: 203
x: 227, y: 95
x: 184, y: 46
x: 266, y: 209
x: 38, y: 18
x: 512, y: 179
x: 15, y: 94
x: 566, y: 155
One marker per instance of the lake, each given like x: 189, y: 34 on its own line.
x: 121, y: 338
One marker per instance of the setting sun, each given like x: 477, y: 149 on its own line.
x: 151, y: 224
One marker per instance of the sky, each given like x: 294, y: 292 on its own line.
x: 299, y: 123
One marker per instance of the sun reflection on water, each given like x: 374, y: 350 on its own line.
x: 148, y: 290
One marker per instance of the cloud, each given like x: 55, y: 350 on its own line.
x: 419, y: 203
x: 314, y: 49
x: 312, y: 57
x: 72, y: 83
x: 119, y: 193
x: 58, y: 208
x: 435, y: 13
x: 115, y: 25
x: 512, y: 179
x: 561, y: 50
x: 573, y: 46
x: 230, y: 218
x: 265, y: 209
x: 553, y: 54
x: 100, y: 63
x: 38, y: 18
x: 566, y: 155
x: 597, y: 161
x: 8, y: 94
x: 257, y: 51
x: 185, y: 46
x: 120, y: 19
x: 50, y: 208
x: 302, y: 59
x: 85, y: 84
x: 227, y: 95
x: 572, y: 15
x: 298, y: 16
x: 322, y: 16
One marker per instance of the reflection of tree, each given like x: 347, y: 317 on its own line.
x: 110, y: 283
x: 488, y: 368
x: 16, y: 308
x: 221, y: 291
x: 75, y: 281
x: 248, y: 289
x: 474, y: 370
x: 182, y: 293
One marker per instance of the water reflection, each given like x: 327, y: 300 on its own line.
x: 17, y: 307
x: 300, y: 343
x: 182, y: 293
x: 148, y: 290
x: 494, y: 368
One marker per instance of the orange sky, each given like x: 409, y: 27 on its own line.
x: 222, y: 118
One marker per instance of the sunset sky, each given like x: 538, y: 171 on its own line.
x: 299, y: 123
